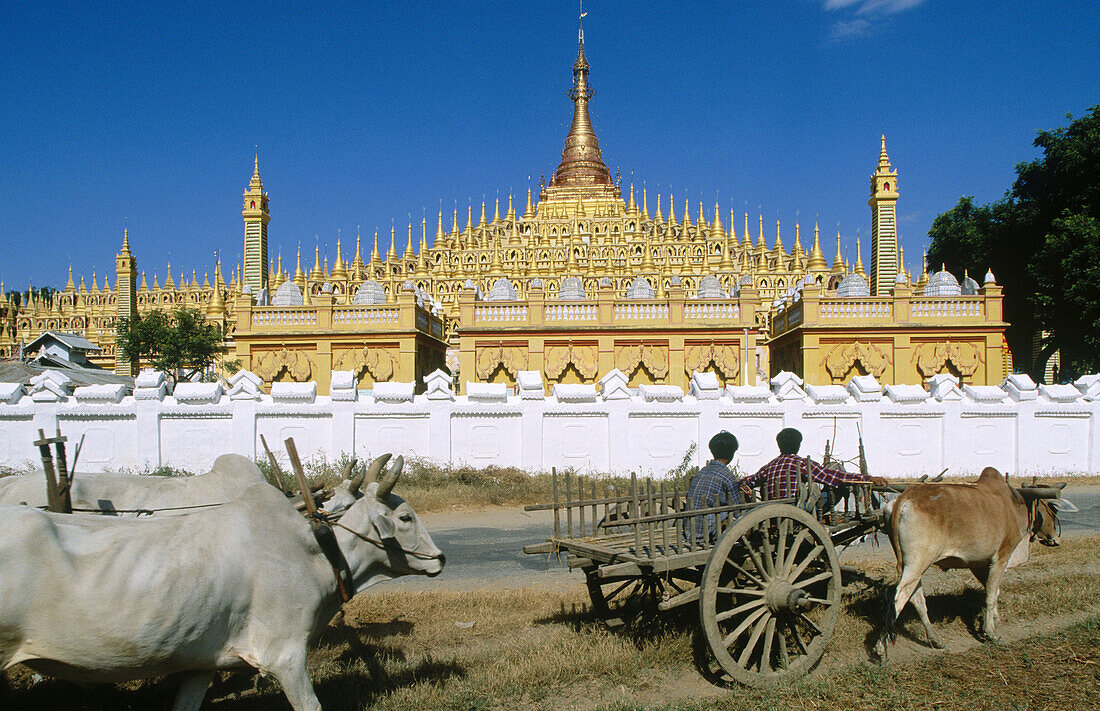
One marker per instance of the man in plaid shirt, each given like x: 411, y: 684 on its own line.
x: 714, y: 485
x: 781, y: 474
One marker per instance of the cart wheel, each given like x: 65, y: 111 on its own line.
x: 620, y: 601
x: 771, y: 595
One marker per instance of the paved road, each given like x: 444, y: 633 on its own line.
x: 485, y: 549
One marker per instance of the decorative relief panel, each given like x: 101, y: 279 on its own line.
x: 379, y: 362
x: 653, y: 358
x: 583, y: 358
x: 488, y: 358
x: 932, y: 357
x: 842, y: 357
x: 724, y: 356
x: 268, y: 365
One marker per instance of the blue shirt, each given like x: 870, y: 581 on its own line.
x: 714, y: 485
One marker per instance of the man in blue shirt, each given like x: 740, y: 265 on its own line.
x: 714, y: 485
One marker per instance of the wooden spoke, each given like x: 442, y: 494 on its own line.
x: 784, y: 529
x: 755, y: 559
x: 744, y: 572
x: 784, y: 658
x: 766, y: 652
x: 750, y: 605
x: 809, y: 622
x: 754, y: 638
x: 741, y: 591
x: 745, y: 624
x: 795, y: 545
x: 815, y: 579
x: 797, y: 637
x: 768, y: 554
x: 814, y: 553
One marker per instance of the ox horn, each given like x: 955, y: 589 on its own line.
x: 370, y: 475
x: 390, y: 478
x: 348, y: 469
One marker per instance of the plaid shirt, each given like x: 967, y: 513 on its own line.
x: 781, y: 476
x: 714, y: 485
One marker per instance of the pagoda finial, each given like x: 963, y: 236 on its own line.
x: 255, y: 184
x: 581, y: 163
x: 817, y: 258
x: 529, y: 211
x: 883, y: 159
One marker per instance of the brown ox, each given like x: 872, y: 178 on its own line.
x: 982, y: 526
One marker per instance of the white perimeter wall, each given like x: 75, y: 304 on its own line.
x: 1042, y: 432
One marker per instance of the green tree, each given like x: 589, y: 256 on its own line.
x: 1042, y: 242
x: 181, y: 343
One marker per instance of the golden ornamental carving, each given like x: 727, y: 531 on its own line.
x: 489, y: 358
x: 654, y: 358
x: 843, y: 356
x: 270, y: 364
x: 724, y: 357
x: 932, y: 357
x: 379, y: 362
x: 585, y: 359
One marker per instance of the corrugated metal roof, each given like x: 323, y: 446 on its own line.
x: 14, y: 371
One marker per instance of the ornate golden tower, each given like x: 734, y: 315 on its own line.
x: 256, y: 218
x: 126, y: 295
x: 884, y: 225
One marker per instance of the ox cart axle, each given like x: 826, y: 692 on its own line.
x: 767, y: 588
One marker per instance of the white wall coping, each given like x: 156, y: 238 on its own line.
x: 198, y: 393
x: 112, y: 393
x: 906, y: 393
x: 985, y: 393
x: 1060, y: 393
x: 574, y: 392
x: 393, y: 392
x: 827, y: 394
x: 486, y: 392
x: 661, y: 393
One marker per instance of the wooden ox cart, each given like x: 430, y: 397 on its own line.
x: 768, y: 589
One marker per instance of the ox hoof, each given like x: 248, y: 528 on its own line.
x: 936, y: 643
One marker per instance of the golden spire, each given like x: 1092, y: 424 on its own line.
x: 391, y: 253
x: 279, y: 277
x: 645, y: 207
x: 671, y: 209
x: 168, y: 282
x: 748, y: 236
x: 797, y: 249
x: 408, y: 255
x: 481, y: 223
x: 255, y: 184
x: 883, y: 159
x: 84, y: 290
x: 339, y: 269
x: 95, y: 286
x: 496, y: 211
x: 659, y: 218
x: 701, y: 221
x: 496, y: 266
x: 421, y: 265
x: 777, y: 249
x: 726, y: 264
x: 647, y: 266
x: 529, y: 211
x: 68, y: 287
x: 631, y: 207
x: 511, y: 214
x: 716, y: 229
x: 316, y: 274
x: 859, y: 261
x: 687, y: 216
x: 760, y: 236
x: 581, y: 163
x: 439, y: 236
x: 923, y: 269
x: 469, y: 220
x: 454, y: 225
x: 838, y: 260
x: 357, y: 265
x: 580, y: 209
x: 144, y: 286
x: 216, y: 307
x: 817, y: 258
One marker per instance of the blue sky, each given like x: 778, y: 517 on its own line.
x: 364, y: 114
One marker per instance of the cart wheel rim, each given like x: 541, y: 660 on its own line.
x: 771, y: 595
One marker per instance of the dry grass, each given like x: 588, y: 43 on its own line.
x: 542, y: 648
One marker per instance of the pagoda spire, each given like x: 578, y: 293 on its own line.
x: 838, y: 260
x: 581, y: 163
x: 529, y: 211
x: 817, y: 258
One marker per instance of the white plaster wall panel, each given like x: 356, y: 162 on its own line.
x: 576, y: 439
x: 905, y: 442
x: 1061, y: 442
x: 481, y: 438
x: 312, y: 433
x: 658, y: 440
x: 194, y: 442
x: 404, y: 433
x: 987, y: 439
x: 755, y: 430
x: 109, y: 442
x: 17, y: 433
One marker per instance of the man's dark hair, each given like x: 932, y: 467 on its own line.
x: 723, y: 445
x: 789, y: 440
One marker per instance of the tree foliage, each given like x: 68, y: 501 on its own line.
x: 181, y: 343
x: 1042, y: 242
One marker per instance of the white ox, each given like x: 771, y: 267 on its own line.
x: 91, y: 598
x: 984, y: 527
x: 110, y: 493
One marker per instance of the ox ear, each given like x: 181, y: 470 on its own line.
x: 383, y: 525
x: 1063, y: 506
